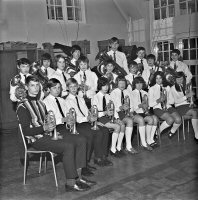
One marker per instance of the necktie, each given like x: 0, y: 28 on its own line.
x: 140, y: 96
x: 59, y: 107
x: 162, y: 105
x: 114, y: 56
x: 133, y: 77
x: 79, y: 106
x: 25, y: 77
x: 104, y: 103
x: 142, y: 61
x: 182, y: 89
x: 175, y: 66
x: 84, y: 77
x: 122, y: 97
x: 64, y: 77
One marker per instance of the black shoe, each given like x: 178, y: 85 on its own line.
x: 107, y: 162
x: 91, y: 167
x: 121, y: 153
x: 196, y: 140
x: 116, y: 154
x: 154, y: 145
x: 99, y: 162
x: 86, y: 182
x: 148, y: 148
x: 76, y: 188
x: 170, y: 135
x: 87, y: 172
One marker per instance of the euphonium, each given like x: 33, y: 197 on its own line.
x: 127, y: 102
x: 111, y: 109
x: 189, y: 90
x: 163, y: 95
x: 71, y: 124
x: 94, y: 113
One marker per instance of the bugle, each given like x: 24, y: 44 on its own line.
x: 71, y: 121
x: 111, y: 110
x: 163, y: 95
x: 94, y: 114
x: 127, y: 103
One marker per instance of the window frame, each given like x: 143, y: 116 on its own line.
x: 186, y: 2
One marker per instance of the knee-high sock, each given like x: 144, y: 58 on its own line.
x: 120, y: 139
x: 163, y: 126
x: 195, y: 127
x: 142, y: 131
x: 148, y: 133
x: 153, y: 130
x: 114, y: 141
x: 175, y: 127
x: 128, y: 134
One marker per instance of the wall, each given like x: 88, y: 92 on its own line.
x: 26, y: 20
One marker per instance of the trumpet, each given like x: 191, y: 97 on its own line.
x: 111, y: 110
x: 145, y: 101
x: 127, y: 102
x: 163, y: 94
x: 94, y: 113
x: 83, y: 84
x: 71, y: 123
x: 190, y: 100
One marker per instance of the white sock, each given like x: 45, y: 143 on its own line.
x: 142, y: 131
x: 128, y: 134
x: 175, y: 127
x: 163, y: 126
x: 120, y: 138
x: 148, y: 133
x: 153, y: 130
x: 195, y: 127
x: 114, y: 141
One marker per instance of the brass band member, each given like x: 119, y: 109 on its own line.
x: 141, y: 107
x: 118, y: 96
x: 31, y: 114
x: 181, y: 98
x: 158, y: 93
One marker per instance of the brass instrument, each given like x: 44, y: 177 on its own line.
x: 163, y: 94
x: 69, y: 65
x: 16, y: 80
x: 83, y: 84
x: 71, y: 121
x: 145, y: 102
x: 111, y: 110
x: 94, y: 113
x: 190, y: 100
x: 127, y: 102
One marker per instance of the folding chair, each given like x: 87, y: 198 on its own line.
x: 34, y: 151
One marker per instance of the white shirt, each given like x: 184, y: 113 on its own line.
x: 129, y: 77
x: 50, y: 71
x: 120, y: 59
x: 51, y: 104
x: 116, y: 98
x: 138, y: 60
x: 91, y: 82
x: 154, y: 94
x: 177, y: 98
x: 98, y: 101
x: 58, y: 75
x: 114, y: 76
x: 72, y: 103
x: 136, y: 100
x: 181, y: 66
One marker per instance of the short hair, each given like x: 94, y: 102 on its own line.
x: 177, y: 51
x: 132, y: 63
x: 120, y: 78
x: 52, y: 82
x: 83, y: 59
x: 113, y: 39
x: 160, y: 73
x: 31, y: 78
x: 140, y: 49
x: 109, y: 61
x: 45, y: 56
x: 102, y: 81
x: 151, y: 56
x: 71, y: 81
x: 137, y: 80
x: 58, y: 57
x: 23, y: 61
x: 74, y: 48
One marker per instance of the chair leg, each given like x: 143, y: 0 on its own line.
x: 183, y: 129
x: 25, y: 169
x: 188, y: 127
x: 52, y: 157
x: 158, y: 133
x: 40, y: 165
x: 178, y: 134
x: 45, y: 169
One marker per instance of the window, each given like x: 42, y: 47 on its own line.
x: 188, y: 6
x: 190, y: 49
x: 165, y: 48
x: 164, y: 9
x: 70, y: 10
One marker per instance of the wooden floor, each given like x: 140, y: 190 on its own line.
x: 169, y: 172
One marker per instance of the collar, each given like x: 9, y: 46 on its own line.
x: 22, y: 75
x: 30, y: 98
x: 59, y: 71
x: 101, y: 94
x: 43, y: 69
x: 72, y: 96
x: 51, y: 97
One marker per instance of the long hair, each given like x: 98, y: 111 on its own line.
x: 164, y: 81
x: 138, y: 80
x: 179, y: 75
x: 102, y: 81
x: 120, y: 78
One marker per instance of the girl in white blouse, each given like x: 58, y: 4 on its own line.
x: 180, y: 97
x: 140, y: 107
x: 158, y: 100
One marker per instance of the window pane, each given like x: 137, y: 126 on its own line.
x: 170, y: 2
x: 192, y: 43
x: 185, y: 42
x: 171, y: 11
x: 183, y: 9
x: 171, y: 46
x: 191, y: 6
x: 160, y: 58
x: 157, y: 14
x: 70, y: 14
x: 166, y: 46
x: 156, y: 3
x: 182, y: 0
x: 163, y: 2
x: 69, y: 2
x: 58, y: 2
x: 159, y: 44
x: 185, y: 54
x: 166, y: 56
x: 197, y: 43
x: 163, y: 12
x: 51, y: 12
x: 192, y: 69
x: 193, y: 54
x: 76, y: 3
x: 59, y: 13
x: 52, y: 2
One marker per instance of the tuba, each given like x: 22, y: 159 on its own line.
x: 71, y: 121
x: 111, y: 110
x: 127, y: 102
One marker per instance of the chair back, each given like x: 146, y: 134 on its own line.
x: 23, y: 137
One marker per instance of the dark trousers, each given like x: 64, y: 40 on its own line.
x: 73, y: 149
x: 100, y: 138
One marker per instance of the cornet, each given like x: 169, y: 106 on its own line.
x: 111, y: 109
x: 189, y: 90
x: 94, y: 113
x: 145, y: 107
x: 127, y: 102
x: 163, y: 94
x: 71, y: 124
x: 83, y: 81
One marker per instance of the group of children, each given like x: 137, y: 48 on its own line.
x: 121, y: 102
